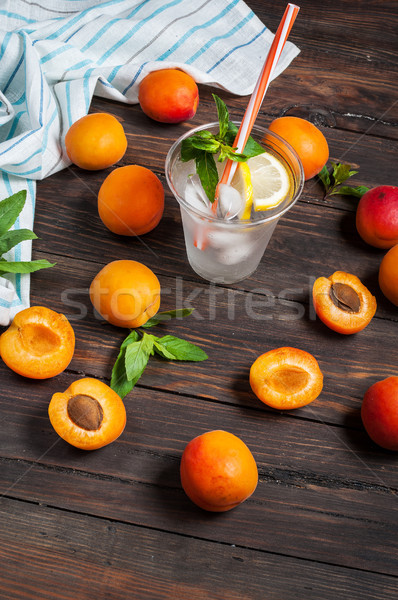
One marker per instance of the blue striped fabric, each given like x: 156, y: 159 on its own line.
x: 54, y: 59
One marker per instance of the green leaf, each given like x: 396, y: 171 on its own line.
x: 346, y: 190
x: 137, y: 356
x: 163, y: 316
x: 119, y: 382
x: 24, y: 266
x: 223, y: 116
x: 251, y: 149
x: 208, y: 145
x: 10, y: 209
x: 324, y: 177
x: 175, y: 348
x: 208, y: 174
x: 12, y: 238
x: 188, y: 151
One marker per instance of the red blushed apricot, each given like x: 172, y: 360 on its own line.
x: 388, y: 275
x: 218, y: 471
x: 343, y: 303
x: 38, y: 344
x: 377, y: 216
x: 379, y: 413
x: 286, y: 378
x: 88, y: 415
x: 168, y: 96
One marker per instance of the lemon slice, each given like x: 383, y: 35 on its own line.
x: 269, y: 179
x: 242, y: 182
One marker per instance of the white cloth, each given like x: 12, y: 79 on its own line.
x: 54, y: 56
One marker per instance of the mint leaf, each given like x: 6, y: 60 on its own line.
x: 178, y: 349
x: 10, y: 209
x: 161, y: 317
x: 119, y: 382
x: 188, y: 151
x: 251, y: 149
x: 12, y: 238
x: 208, y: 174
x: 223, y: 116
x: 137, y: 356
x: 346, y: 190
x: 325, y: 177
x: 24, y: 266
x: 207, y: 144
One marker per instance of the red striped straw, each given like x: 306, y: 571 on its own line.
x: 260, y: 89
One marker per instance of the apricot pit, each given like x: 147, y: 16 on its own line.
x: 88, y: 415
x: 343, y: 303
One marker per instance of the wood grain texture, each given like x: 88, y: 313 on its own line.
x: 322, y: 523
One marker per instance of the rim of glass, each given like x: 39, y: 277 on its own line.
x: 274, y: 213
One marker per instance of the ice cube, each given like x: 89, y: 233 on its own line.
x: 196, y: 196
x: 234, y: 254
x: 230, y: 201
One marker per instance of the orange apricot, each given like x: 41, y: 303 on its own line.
x: 168, y: 96
x: 131, y: 200
x: 388, y: 275
x: 306, y: 139
x: 96, y: 141
x: 377, y: 216
x: 218, y: 471
x: 88, y: 415
x: 379, y: 412
x: 38, y: 344
x: 343, y: 303
x: 286, y: 378
x: 125, y: 293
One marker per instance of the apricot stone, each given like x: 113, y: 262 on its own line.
x: 379, y: 413
x: 377, y: 216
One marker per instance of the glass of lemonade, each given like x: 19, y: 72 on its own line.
x: 229, y: 250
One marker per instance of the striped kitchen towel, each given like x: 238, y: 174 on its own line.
x: 54, y: 56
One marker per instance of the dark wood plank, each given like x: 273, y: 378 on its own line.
x: 115, y: 559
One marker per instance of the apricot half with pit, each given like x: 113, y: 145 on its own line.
x: 38, y: 344
x: 286, y: 378
x: 343, y: 303
x: 88, y: 415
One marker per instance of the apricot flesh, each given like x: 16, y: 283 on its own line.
x: 38, y: 344
x: 218, y: 471
x: 168, y: 96
x: 377, y: 216
x: 379, y: 413
x: 88, y: 415
x: 343, y: 303
x: 286, y: 378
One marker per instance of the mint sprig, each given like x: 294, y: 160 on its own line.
x: 10, y: 208
x: 138, y: 347
x: 333, y: 180
x: 204, y: 145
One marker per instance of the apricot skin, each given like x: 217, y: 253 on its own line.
x: 388, y: 275
x: 377, y: 216
x: 379, y: 413
x: 218, y: 471
x: 168, y: 96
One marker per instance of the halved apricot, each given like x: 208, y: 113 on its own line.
x: 343, y: 303
x: 286, y: 378
x: 88, y: 415
x: 38, y: 344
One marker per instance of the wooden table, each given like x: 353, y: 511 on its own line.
x: 322, y: 523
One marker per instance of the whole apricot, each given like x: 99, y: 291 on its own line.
x: 38, y: 344
x: 218, y: 471
x: 88, y: 415
x: 388, y: 275
x: 379, y: 413
x: 95, y: 141
x: 286, y: 378
x: 131, y: 200
x: 306, y: 139
x: 125, y: 293
x: 168, y: 96
x: 343, y: 303
x: 377, y: 216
